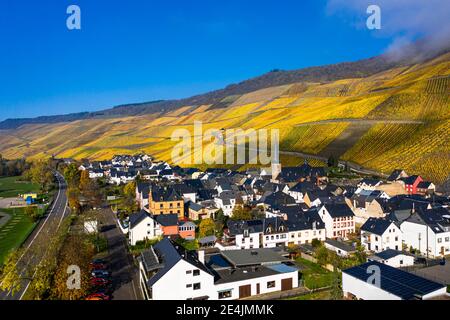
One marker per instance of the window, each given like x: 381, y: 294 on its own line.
x: 189, y: 286
x: 197, y: 286
x: 439, y: 240
x: 447, y: 239
x: 188, y: 271
x: 271, y: 284
x: 161, y: 205
x: 196, y: 273
x: 225, y: 294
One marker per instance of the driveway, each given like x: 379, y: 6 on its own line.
x: 124, y: 273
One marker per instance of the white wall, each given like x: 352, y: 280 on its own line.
x: 146, y: 229
x: 253, y: 282
x: 172, y: 286
x: 386, y: 241
x: 250, y: 242
x: 411, y: 233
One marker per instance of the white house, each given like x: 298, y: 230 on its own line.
x: 227, y: 201
x: 393, y: 258
x: 142, y: 226
x: 342, y: 249
x: 243, y: 234
x: 428, y: 231
x: 95, y: 174
x: 338, y: 219
x: 378, y: 281
x: 169, y: 272
x: 381, y: 234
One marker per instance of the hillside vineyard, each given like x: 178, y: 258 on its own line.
x: 398, y: 118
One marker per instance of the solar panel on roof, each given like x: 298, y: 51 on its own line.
x: 397, y: 282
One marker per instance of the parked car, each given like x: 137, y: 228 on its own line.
x: 98, y: 261
x: 98, y: 296
x: 100, y: 282
x: 100, y: 274
x: 98, y: 266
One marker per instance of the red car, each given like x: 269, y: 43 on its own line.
x: 100, y: 282
x: 98, y: 266
x: 98, y: 296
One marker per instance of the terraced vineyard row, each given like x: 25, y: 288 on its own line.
x: 311, y: 139
x: 438, y: 85
x: 425, y: 151
x: 379, y: 139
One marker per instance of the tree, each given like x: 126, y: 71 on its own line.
x: 76, y: 251
x: 32, y: 212
x: 73, y: 197
x: 321, y: 254
x: 360, y: 254
x: 336, y: 290
x: 72, y: 175
x: 316, y: 243
x: 10, y: 280
x: 206, y: 228
x: 85, y: 181
x: 41, y: 174
x: 129, y: 197
x: 241, y: 213
x: 332, y: 161
x: 90, y: 190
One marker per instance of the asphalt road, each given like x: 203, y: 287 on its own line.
x: 47, y: 227
x: 125, y: 276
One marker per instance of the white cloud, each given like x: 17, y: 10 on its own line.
x: 404, y: 20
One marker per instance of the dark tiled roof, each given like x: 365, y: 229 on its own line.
x: 376, y: 226
x: 166, y: 220
x: 410, y: 180
x: 277, y: 199
x: 292, y: 174
x: 389, y: 253
x: 395, y: 175
x: 136, y: 218
x: 338, y: 210
x: 237, y: 226
x: 340, y: 245
x: 169, y: 254
x: 165, y: 194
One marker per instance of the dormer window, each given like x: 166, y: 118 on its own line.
x: 246, y: 233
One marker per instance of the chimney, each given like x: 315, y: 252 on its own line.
x: 201, y: 256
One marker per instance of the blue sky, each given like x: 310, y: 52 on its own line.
x: 142, y: 50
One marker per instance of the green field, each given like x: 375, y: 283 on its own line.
x: 15, y: 231
x: 19, y: 226
x: 11, y: 187
x: 313, y: 275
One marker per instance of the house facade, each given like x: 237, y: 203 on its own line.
x: 381, y: 234
x: 339, y: 220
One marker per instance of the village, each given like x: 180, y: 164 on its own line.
x: 280, y: 232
